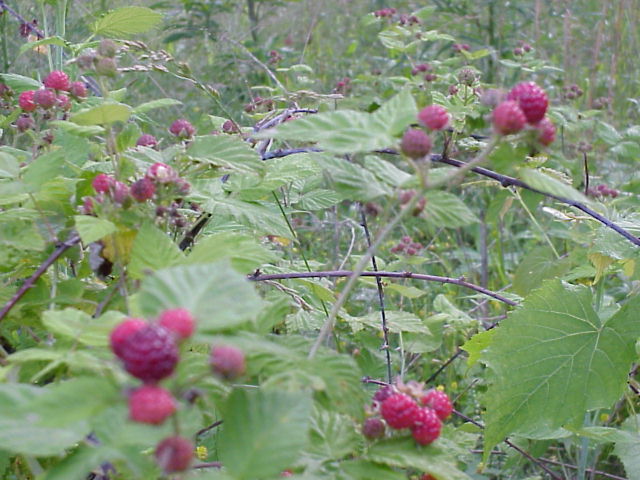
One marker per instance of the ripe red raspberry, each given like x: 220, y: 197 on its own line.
x: 547, y: 131
x: 57, y: 80
x: 426, y: 476
x: 147, y: 140
x: 174, y: 454
x: 63, y: 102
x: 123, y: 330
x: 399, y: 411
x: 151, y: 404
x: 102, y: 183
x: 150, y: 354
x: 434, y: 117
x: 44, y: 98
x: 439, y: 402
x: 508, y: 118
x: 143, y: 189
x: 25, y: 100
x: 181, y: 128
x: 373, y: 428
x: 78, y: 90
x: 227, y: 361
x: 162, y: 173
x: 179, y: 321
x: 426, y: 427
x: 24, y: 123
x: 415, y: 143
x: 532, y: 100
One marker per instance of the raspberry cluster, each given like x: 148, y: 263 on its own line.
x: 259, y: 104
x: 421, y: 68
x: 405, y: 197
x: 408, y: 406
x: 102, y: 60
x: 385, y: 12
x: 602, y: 191
x: 343, y: 86
x: 407, y: 246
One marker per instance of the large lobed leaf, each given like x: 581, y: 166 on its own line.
x: 554, y: 359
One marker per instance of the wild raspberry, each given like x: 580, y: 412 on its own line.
x: 25, y: 100
x: 415, y: 143
x: 162, y: 173
x: 124, y: 329
x: 87, y: 207
x: 227, y: 361
x: 78, y: 90
x: 147, y: 140
x: 24, y: 123
x: 150, y: 354
x: 179, y: 321
x: 57, y: 80
x: 120, y: 193
x: 508, y: 118
x: 532, y: 100
x: 151, y: 404
x: 45, y: 98
x: 405, y: 196
x: 143, y: 189
x: 426, y: 427
x: 417, y: 210
x: 107, y: 67
x: 63, y: 102
x: 230, y: 126
x: 547, y: 131
x: 174, y: 454
x: 182, y: 129
x: 434, y: 117
x: 182, y: 186
x: 107, y: 48
x: 399, y: 411
x: 426, y: 476
x: 102, y: 183
x: 373, y: 428
x: 439, y: 402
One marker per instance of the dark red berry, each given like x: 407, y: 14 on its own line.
x: 120, y: 192
x: 25, y: 101
x: 230, y: 127
x: 382, y: 394
x: 124, y: 329
x: 547, y: 131
x: 179, y: 321
x: 434, y: 117
x: 57, y: 80
x: 439, y: 402
x: 151, y: 404
x: 532, y: 100
x: 102, y: 183
x: 78, y: 90
x: 227, y: 361
x: 150, y: 354
x: 182, y: 129
x: 44, y: 98
x: 174, y: 454
x: 373, y: 428
x: 63, y: 102
x: 415, y: 143
x: 143, y: 189
x: 508, y: 118
x: 24, y: 123
x: 426, y: 427
x: 399, y: 411
x: 146, y: 140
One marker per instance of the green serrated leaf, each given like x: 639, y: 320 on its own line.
x: 79, y: 130
x: 59, y: 41
x: 538, y: 265
x: 629, y: 451
x: 92, y: 229
x: 245, y: 253
x: 217, y: 295
x: 548, y: 184
x: 477, y: 344
x: 317, y: 200
x: 257, y: 217
x: 397, y: 113
x: 20, y: 83
x: 127, y: 21
x: 104, y: 114
x: 553, y: 359
x: 9, y: 166
x: 227, y: 152
x: 333, y: 436
x: 352, y: 181
x: 152, y: 250
x: 154, y: 104
x: 444, y: 209
x: 263, y: 432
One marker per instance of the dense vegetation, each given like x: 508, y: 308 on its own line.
x: 319, y: 239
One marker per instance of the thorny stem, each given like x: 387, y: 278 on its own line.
x: 383, y: 313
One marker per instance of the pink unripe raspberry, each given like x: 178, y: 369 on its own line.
x: 415, y: 143
x: 107, y: 66
x: 25, y: 100
x: 439, y: 402
x: 182, y: 129
x: 174, y: 454
x: 87, y: 207
x: 146, y: 140
x: 120, y: 192
x: 63, y: 102
x: 162, y: 173
x: 532, y: 100
x: 143, y: 189
x: 230, y: 126
x: 179, y: 321
x: 123, y: 330
x: 78, y: 90
x: 382, y: 394
x: 227, y: 361
x: 150, y: 354
x: 57, y: 80
x: 434, y: 117
x: 547, y: 131
x: 102, y: 183
x: 508, y: 118
x: 24, y: 123
x: 151, y: 404
x: 427, y: 426
x: 183, y: 186
x: 44, y: 98
x: 399, y: 411
x: 373, y: 428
